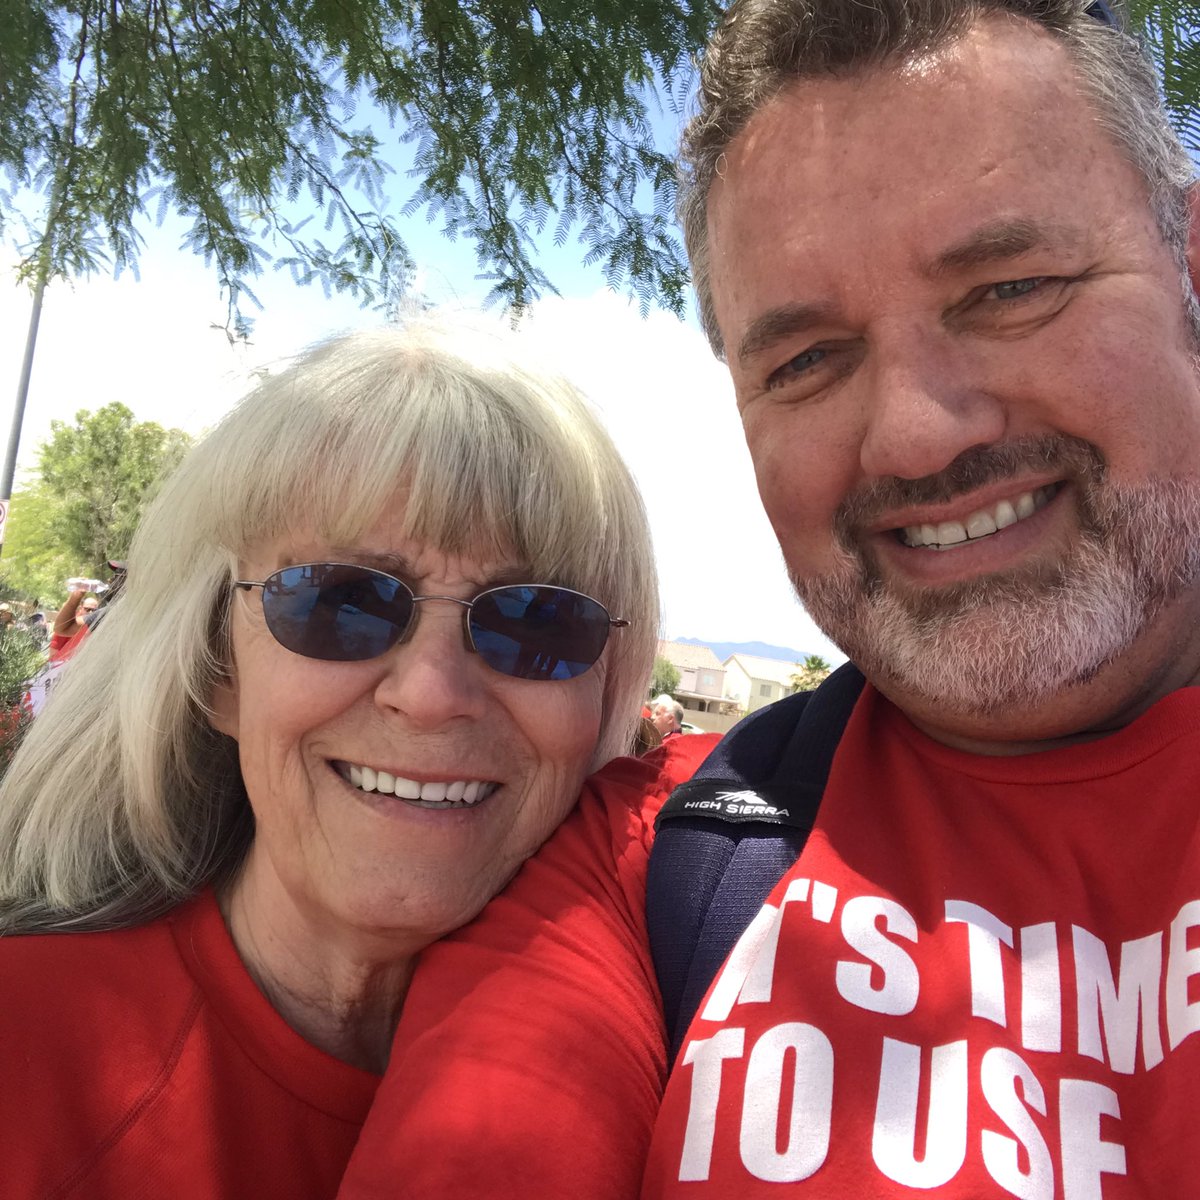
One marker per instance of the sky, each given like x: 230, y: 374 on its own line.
x: 157, y: 344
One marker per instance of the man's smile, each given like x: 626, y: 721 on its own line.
x: 991, y: 531
x: 983, y: 522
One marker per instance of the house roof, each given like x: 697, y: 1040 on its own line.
x: 689, y: 658
x: 773, y: 669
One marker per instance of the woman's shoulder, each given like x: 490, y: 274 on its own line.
x: 112, y: 952
x: 80, y: 997
x: 90, y: 1025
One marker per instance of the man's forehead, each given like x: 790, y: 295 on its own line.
x: 969, y: 153
x: 991, y: 81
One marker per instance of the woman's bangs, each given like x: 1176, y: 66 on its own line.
x: 460, y: 456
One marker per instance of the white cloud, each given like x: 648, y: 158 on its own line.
x: 158, y: 346
x: 669, y: 405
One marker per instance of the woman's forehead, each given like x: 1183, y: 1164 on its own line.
x: 407, y: 558
x: 425, y: 541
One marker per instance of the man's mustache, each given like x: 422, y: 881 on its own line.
x: 1068, y: 457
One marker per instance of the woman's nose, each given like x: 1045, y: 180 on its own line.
x: 433, y: 677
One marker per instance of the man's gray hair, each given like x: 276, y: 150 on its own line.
x: 763, y: 46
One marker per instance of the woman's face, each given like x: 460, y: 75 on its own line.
x: 429, y: 712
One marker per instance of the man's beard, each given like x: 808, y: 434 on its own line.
x: 1016, y: 638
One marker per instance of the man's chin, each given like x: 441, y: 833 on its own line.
x: 986, y: 647
x: 1014, y: 642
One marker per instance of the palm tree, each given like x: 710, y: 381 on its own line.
x: 1168, y: 28
x: 810, y: 673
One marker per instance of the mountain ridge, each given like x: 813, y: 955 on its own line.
x: 759, y: 649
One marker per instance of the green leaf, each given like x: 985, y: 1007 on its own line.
x: 522, y: 117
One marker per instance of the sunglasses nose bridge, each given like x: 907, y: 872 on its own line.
x: 465, y: 605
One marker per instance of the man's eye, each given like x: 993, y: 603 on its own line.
x: 795, y: 367
x: 1014, y: 289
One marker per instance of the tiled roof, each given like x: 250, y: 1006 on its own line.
x: 773, y: 669
x: 688, y: 658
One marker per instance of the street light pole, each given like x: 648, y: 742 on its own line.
x: 14, y: 437
x: 62, y: 172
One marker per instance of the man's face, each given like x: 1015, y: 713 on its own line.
x: 663, y: 719
x: 966, y: 378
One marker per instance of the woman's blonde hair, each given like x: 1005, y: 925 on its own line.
x: 123, y: 800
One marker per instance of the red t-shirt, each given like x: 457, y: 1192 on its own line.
x: 146, y: 1065
x: 63, y: 645
x: 979, y: 980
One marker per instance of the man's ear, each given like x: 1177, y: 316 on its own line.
x: 1193, y: 239
x: 223, y: 705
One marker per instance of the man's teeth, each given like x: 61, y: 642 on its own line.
x: 459, y: 792
x: 979, y: 524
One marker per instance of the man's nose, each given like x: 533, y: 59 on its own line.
x: 926, y: 402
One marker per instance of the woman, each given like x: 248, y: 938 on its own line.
x: 377, y: 629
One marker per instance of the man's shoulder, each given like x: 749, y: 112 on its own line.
x: 642, y: 784
x: 612, y: 827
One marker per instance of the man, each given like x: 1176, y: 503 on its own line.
x: 72, y: 620
x: 668, y: 716
x: 949, y: 252
x: 79, y: 617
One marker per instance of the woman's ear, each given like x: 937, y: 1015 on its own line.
x: 223, y: 706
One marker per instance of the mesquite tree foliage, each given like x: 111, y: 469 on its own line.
x: 246, y: 117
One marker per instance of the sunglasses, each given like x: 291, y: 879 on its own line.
x: 339, y: 612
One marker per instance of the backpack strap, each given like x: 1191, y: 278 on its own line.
x: 731, y: 832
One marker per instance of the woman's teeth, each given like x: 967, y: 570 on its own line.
x: 979, y: 524
x: 459, y: 793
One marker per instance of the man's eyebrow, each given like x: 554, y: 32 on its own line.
x: 776, y: 324
x: 1000, y: 241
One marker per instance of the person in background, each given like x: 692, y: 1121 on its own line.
x: 72, y: 620
x: 648, y: 738
x: 111, y: 591
x: 668, y: 716
x: 8, y: 618
x: 365, y: 657
x: 38, y: 630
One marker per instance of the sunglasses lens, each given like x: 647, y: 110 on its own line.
x: 336, y: 612
x: 538, y: 632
